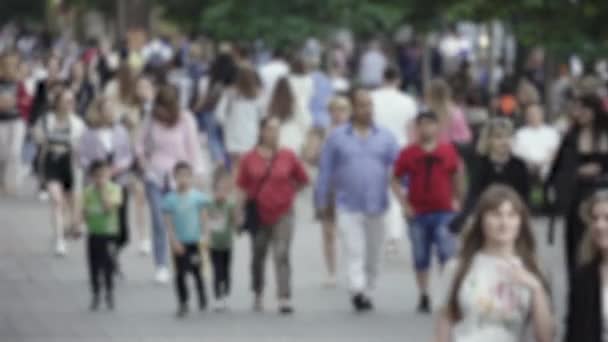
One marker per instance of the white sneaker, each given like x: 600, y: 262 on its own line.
x: 162, y: 275
x: 145, y: 247
x: 60, y: 248
x: 330, y: 282
x: 221, y: 305
x: 43, y: 196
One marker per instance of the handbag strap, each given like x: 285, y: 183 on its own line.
x: 265, y: 177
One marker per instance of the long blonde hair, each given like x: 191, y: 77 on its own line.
x: 473, y: 240
x: 439, y: 98
x: 493, y: 128
x: 588, y: 248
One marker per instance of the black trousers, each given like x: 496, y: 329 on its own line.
x: 100, y: 252
x: 123, y: 220
x: 189, y: 262
x: 221, y: 260
x: 575, y: 227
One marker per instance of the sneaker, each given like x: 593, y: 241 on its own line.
x: 145, y: 247
x: 330, y: 282
x: 60, y: 248
x: 43, y: 196
x: 182, y: 311
x: 361, y: 303
x: 285, y: 308
x: 424, y: 305
x: 94, y: 303
x: 367, y: 304
x: 162, y: 275
x: 220, y: 305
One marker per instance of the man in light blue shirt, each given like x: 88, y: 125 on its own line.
x: 355, y: 164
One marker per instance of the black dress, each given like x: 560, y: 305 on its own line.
x: 572, y: 189
x: 584, y: 317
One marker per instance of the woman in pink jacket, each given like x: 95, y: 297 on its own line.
x: 168, y: 136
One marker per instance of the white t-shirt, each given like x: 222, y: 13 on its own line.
x: 105, y: 135
x: 493, y: 308
x: 270, y: 73
x: 536, y: 145
x: 394, y: 110
x: 371, y: 68
x: 240, y: 117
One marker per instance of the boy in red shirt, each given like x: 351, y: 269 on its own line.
x: 435, y: 185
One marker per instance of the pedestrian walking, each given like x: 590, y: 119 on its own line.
x: 355, y: 164
x: 494, y: 290
x: 222, y: 221
x: 587, y: 315
x: 58, y: 134
x: 271, y: 177
x: 436, y: 182
x: 106, y: 139
x: 184, y: 211
x: 168, y: 136
x: 102, y: 198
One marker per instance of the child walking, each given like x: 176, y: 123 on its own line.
x: 100, y: 209
x: 222, y: 221
x: 183, y: 212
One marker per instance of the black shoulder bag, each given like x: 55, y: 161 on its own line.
x: 252, y: 218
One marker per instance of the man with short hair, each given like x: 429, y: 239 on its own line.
x: 355, y: 163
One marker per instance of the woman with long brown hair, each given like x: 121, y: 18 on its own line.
x: 168, y: 136
x: 295, y: 120
x: 587, y: 318
x: 495, y: 288
x: 581, y: 167
x: 122, y: 91
x: 454, y: 126
x: 239, y: 111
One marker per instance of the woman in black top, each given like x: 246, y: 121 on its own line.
x: 581, y: 166
x: 494, y: 164
x: 585, y: 317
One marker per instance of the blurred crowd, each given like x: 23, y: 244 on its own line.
x: 244, y: 128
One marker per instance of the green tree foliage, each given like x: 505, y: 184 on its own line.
x: 22, y: 10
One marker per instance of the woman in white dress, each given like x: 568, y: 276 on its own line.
x: 495, y: 289
x: 240, y: 111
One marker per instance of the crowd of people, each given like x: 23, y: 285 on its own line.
x: 110, y: 132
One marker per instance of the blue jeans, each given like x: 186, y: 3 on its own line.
x: 155, y: 193
x: 431, y: 229
x: 215, y: 141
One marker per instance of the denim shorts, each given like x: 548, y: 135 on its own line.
x: 431, y: 229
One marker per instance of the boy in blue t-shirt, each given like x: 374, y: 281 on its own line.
x: 183, y: 210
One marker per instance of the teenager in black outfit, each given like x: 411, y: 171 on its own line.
x: 580, y: 167
x: 586, y: 315
x: 494, y: 164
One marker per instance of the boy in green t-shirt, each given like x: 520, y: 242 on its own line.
x: 221, y: 223
x: 100, y: 210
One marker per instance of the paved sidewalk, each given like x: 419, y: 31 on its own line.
x: 43, y: 298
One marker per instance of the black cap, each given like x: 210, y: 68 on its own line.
x: 427, y: 115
